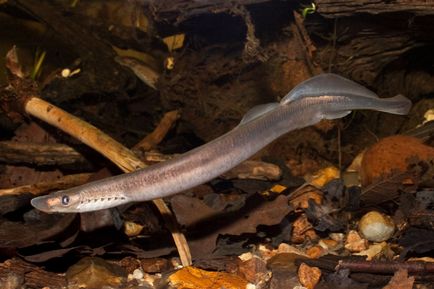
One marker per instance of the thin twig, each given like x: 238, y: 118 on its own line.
x: 42, y: 187
x: 385, y: 266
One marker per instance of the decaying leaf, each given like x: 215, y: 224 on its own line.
x: 386, y: 188
x: 400, y: 280
x: 302, y: 231
x: 355, y: 243
x: 47, y: 255
x: 192, y: 278
x: 309, y: 276
x: 417, y: 240
x: 324, y: 217
x: 18, y: 234
x: 211, y: 223
x: 340, y: 280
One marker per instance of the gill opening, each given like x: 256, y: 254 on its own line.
x: 101, y: 199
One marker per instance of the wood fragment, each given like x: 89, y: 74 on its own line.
x: 181, y: 9
x: 33, y: 276
x: 340, y: 8
x: 386, y: 266
x: 254, y: 170
x: 64, y: 182
x: 41, y: 154
x: 154, y: 138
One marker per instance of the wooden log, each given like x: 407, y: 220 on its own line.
x: 340, y: 8
x: 16, y: 271
x: 64, y: 182
x: 182, y: 9
x: 12, y: 152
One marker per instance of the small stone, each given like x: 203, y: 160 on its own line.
x: 155, y: 265
x: 338, y: 237
x: 284, y: 261
x: 132, y: 229
x: 330, y: 244
x: 138, y: 274
x: 284, y: 271
x: 254, y: 270
x: 286, y: 248
x: 245, y: 256
x: 94, y: 273
x: 376, y: 227
x: 316, y: 251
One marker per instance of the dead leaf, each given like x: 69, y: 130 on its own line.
x: 309, y: 276
x: 400, y: 280
x: 210, y: 223
x: 47, y: 255
x: 355, y: 243
x: 324, y: 217
x: 417, y: 240
x: 385, y: 189
x: 340, y: 280
x: 193, y: 278
x: 302, y: 230
x: 18, y: 234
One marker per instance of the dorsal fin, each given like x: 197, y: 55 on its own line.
x: 258, y: 111
x: 327, y: 84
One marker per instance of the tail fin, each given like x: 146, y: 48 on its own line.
x: 398, y: 104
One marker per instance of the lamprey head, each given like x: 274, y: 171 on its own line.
x: 68, y: 201
x: 58, y: 202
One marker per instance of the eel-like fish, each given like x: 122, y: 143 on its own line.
x: 326, y: 96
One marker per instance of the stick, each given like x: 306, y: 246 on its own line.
x: 154, y: 138
x: 42, y: 187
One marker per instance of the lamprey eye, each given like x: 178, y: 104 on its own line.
x: 65, y: 200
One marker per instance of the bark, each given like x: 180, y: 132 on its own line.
x: 339, y: 8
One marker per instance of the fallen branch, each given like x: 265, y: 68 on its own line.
x: 155, y: 137
x: 386, y: 266
x: 44, y: 187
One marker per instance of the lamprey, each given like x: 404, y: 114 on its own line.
x: 326, y: 96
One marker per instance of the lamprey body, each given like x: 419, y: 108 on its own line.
x: 326, y: 96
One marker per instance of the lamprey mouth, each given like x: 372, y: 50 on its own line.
x: 43, y: 203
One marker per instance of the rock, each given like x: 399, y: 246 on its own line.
x: 376, y: 226
x: 95, y: 273
x: 391, y: 155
